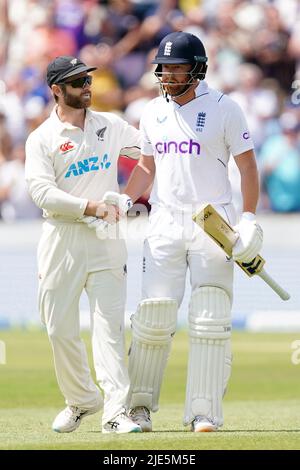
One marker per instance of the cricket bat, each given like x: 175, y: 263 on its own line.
x: 224, y: 235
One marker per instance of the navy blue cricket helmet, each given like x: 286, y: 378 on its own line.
x: 180, y: 48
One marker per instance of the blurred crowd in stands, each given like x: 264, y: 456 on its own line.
x: 254, y: 56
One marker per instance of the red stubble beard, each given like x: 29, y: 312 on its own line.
x: 174, y: 89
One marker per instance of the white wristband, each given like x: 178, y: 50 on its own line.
x: 249, y: 216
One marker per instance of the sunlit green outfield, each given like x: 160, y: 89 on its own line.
x: 261, y: 409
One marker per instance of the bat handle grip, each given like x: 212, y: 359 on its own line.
x: 283, y: 294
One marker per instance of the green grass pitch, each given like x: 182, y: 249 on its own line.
x: 261, y: 408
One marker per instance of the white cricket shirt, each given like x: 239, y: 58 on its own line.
x: 67, y: 166
x: 191, y: 145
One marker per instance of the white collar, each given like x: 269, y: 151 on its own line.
x: 61, y: 126
x: 202, y: 89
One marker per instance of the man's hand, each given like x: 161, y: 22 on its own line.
x: 104, y: 211
x: 121, y: 201
x: 250, y: 239
x: 99, y: 216
x: 107, y: 212
x: 99, y: 225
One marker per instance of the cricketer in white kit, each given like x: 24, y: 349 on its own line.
x: 188, y: 135
x: 71, y: 161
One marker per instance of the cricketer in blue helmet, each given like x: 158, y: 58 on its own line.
x: 188, y: 136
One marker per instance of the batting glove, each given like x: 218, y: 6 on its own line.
x: 99, y: 225
x: 250, y: 239
x: 122, y: 201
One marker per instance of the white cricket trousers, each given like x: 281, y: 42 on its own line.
x: 71, y: 258
x: 174, y: 243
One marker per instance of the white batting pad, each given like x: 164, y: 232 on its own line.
x: 227, y: 365
x: 153, y: 327
x: 209, y: 331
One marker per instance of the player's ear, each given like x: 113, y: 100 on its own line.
x: 56, y: 90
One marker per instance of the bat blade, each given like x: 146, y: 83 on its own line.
x: 216, y: 227
x: 225, y: 236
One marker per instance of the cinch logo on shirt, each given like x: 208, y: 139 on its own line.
x: 87, y: 165
x: 178, y: 147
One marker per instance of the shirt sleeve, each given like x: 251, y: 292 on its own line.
x: 130, y: 141
x: 237, y: 135
x: 41, y: 181
x: 146, y: 146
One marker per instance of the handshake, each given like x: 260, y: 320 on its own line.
x: 121, y: 202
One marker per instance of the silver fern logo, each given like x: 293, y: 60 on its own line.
x: 100, y: 133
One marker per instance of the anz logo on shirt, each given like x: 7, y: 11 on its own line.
x: 87, y: 165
